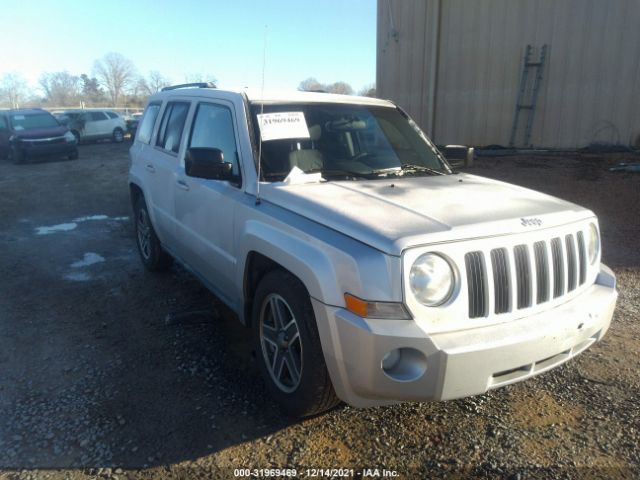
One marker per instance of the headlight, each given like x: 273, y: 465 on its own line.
x: 69, y: 137
x: 431, y: 279
x: 594, y: 243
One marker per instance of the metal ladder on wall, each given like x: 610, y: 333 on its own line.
x: 528, y: 94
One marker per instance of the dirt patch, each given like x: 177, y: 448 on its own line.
x: 108, y: 371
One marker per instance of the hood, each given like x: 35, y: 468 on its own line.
x: 394, y: 214
x: 34, y: 133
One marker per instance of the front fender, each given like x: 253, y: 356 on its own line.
x: 302, y: 258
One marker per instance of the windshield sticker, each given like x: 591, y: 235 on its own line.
x: 277, y: 126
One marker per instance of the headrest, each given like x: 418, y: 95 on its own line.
x: 314, y: 132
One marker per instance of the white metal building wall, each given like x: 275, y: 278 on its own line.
x: 455, y: 66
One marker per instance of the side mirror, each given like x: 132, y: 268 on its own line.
x: 459, y: 156
x: 207, y: 163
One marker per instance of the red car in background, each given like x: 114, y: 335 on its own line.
x: 32, y: 132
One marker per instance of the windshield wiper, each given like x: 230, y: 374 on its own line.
x: 408, y: 167
x: 341, y: 173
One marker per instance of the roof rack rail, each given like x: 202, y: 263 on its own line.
x: 191, y: 85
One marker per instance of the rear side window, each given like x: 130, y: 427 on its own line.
x: 148, y: 121
x: 97, y: 116
x: 172, y: 126
x: 112, y: 115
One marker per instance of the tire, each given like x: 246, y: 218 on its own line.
x: 74, y: 155
x: 290, y: 346
x: 153, y: 257
x: 118, y: 135
x: 17, y: 155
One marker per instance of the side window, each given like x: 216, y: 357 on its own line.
x: 148, y: 121
x: 213, y: 128
x: 112, y: 115
x: 172, y: 125
x: 3, y: 123
x: 96, y: 116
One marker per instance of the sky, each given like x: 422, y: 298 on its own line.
x: 330, y: 40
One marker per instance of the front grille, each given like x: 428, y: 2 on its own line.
x: 39, y: 142
x: 525, y: 275
x: 558, y: 267
x: 542, y: 271
x: 477, y: 280
x: 502, y: 288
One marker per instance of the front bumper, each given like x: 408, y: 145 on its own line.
x: 457, y: 364
x: 36, y: 149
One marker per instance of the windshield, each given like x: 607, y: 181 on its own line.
x: 33, y: 120
x: 348, y: 142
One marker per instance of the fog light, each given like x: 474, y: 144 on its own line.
x: 404, y: 364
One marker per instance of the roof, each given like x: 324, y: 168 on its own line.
x: 24, y: 110
x: 255, y: 95
x: 277, y: 96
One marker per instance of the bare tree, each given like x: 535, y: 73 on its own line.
x: 61, y: 88
x: 116, y: 73
x: 311, y: 85
x: 156, y: 81
x: 13, y: 89
x: 342, y: 88
x: 368, y: 90
x: 200, y: 77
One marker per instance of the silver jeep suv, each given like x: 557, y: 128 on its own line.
x: 366, y: 269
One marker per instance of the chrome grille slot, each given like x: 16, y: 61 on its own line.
x: 476, y: 282
x: 582, y: 258
x: 542, y: 271
x: 523, y: 275
x: 557, y: 259
x: 502, y: 290
x: 571, y: 263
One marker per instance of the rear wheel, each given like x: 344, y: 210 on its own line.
x: 153, y: 257
x: 74, y: 155
x: 118, y: 135
x: 288, y: 346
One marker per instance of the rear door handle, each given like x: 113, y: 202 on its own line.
x: 150, y: 168
x: 183, y: 185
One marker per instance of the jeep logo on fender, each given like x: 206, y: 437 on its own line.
x: 528, y: 222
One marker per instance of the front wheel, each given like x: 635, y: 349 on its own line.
x: 118, y: 135
x: 288, y: 346
x: 17, y: 155
x: 153, y: 257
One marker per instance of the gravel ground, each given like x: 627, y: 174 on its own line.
x: 107, y: 371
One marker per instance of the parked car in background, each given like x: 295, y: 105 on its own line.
x: 88, y: 125
x: 32, y: 132
x: 132, y: 123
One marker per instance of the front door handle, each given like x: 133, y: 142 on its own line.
x: 183, y: 185
x: 150, y: 168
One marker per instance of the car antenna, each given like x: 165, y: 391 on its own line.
x: 264, y: 63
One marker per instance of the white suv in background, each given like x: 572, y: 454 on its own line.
x: 94, y: 124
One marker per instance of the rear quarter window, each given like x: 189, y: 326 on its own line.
x: 112, y: 115
x: 145, y: 130
x: 172, y: 126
